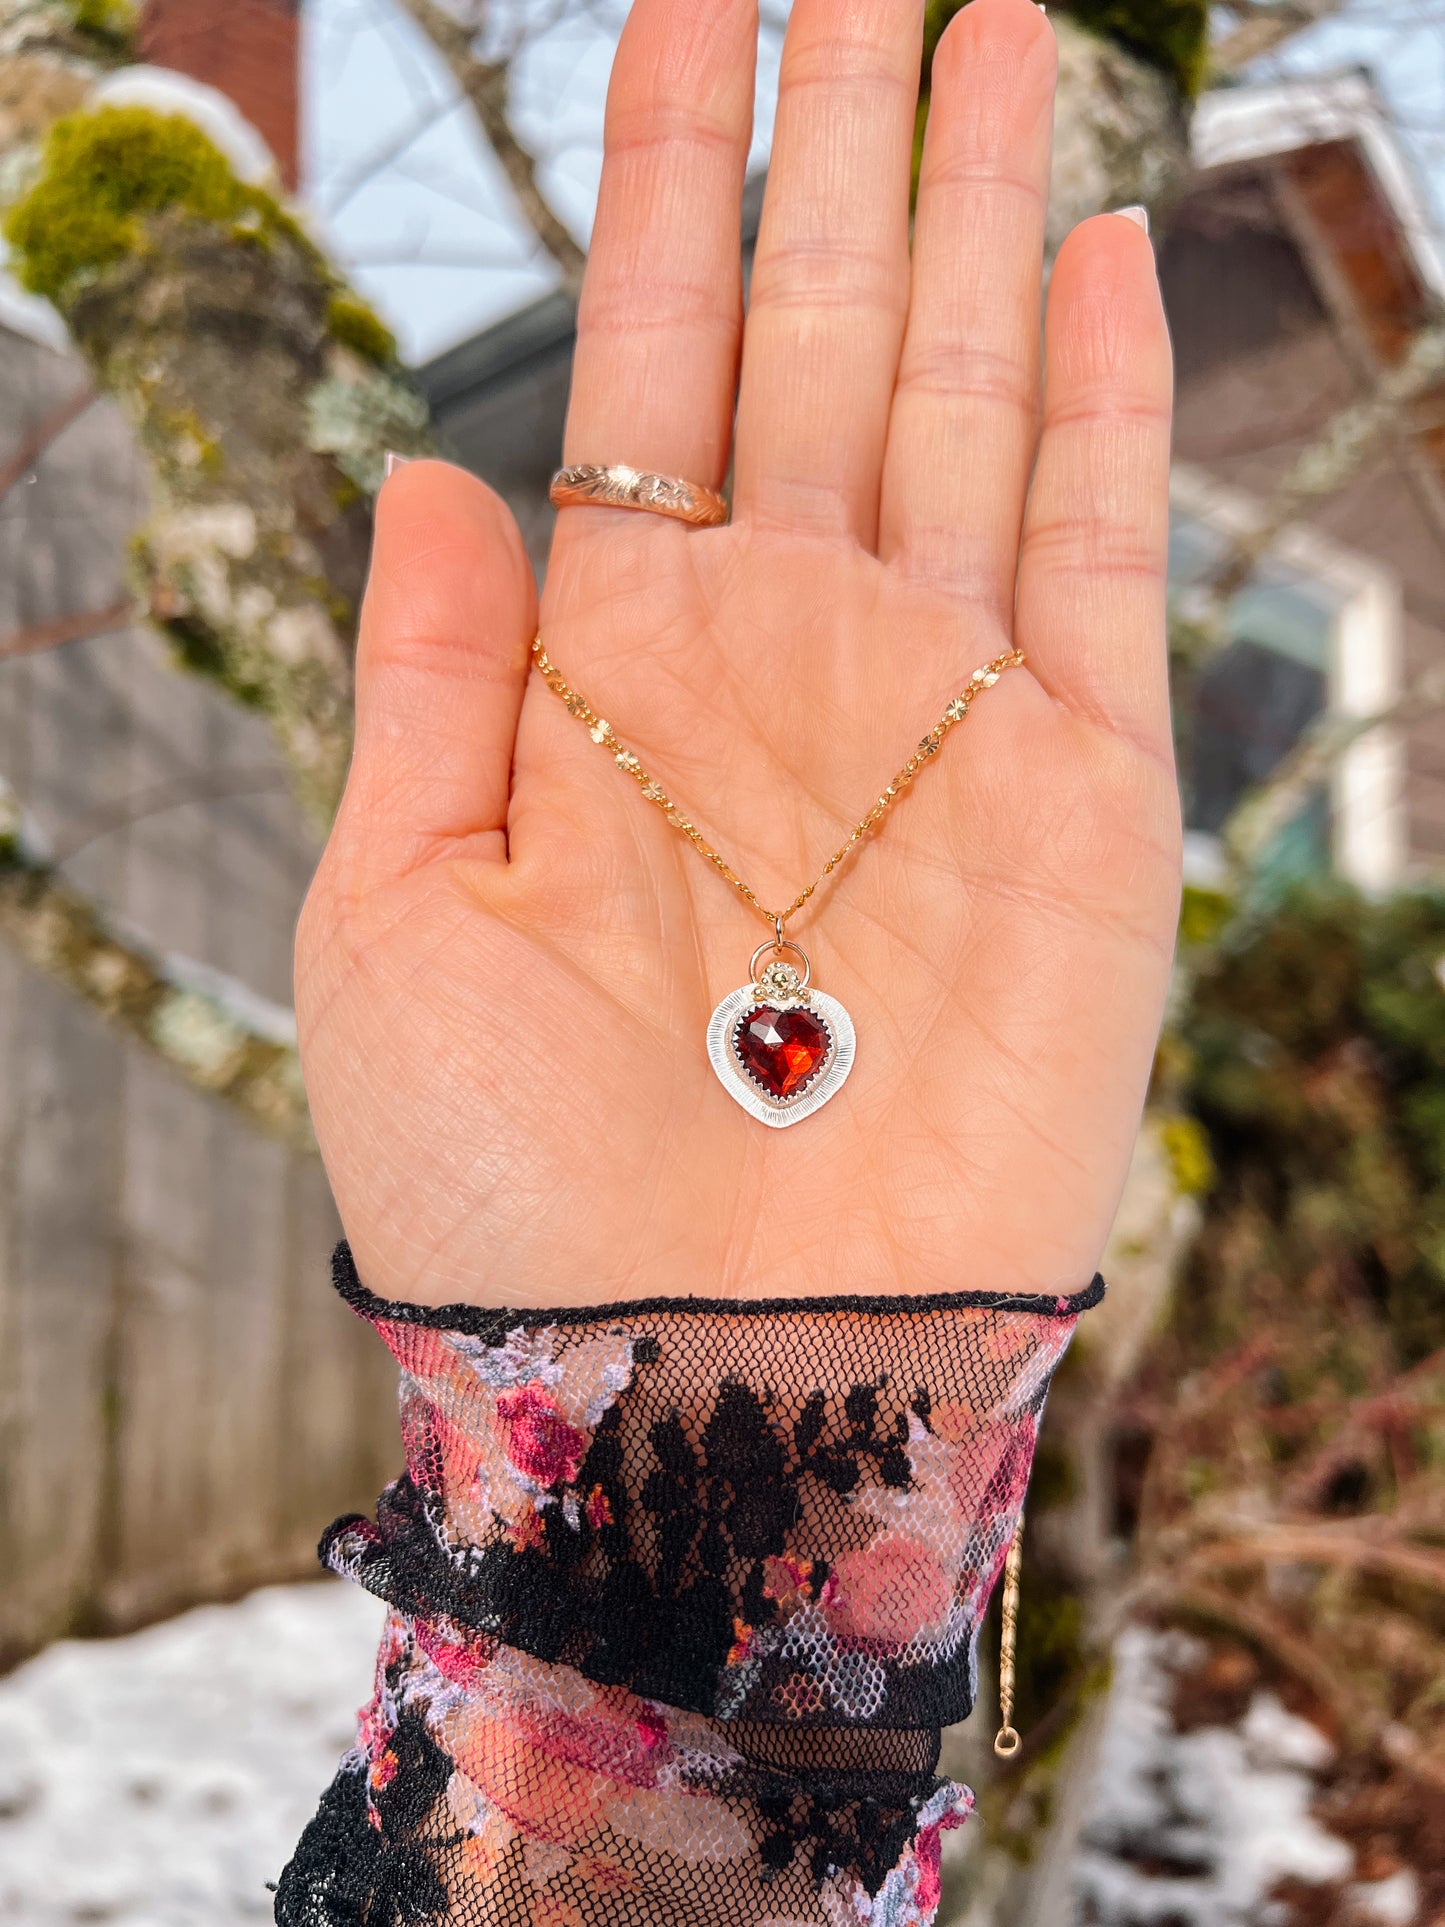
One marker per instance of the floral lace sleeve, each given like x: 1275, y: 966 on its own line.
x: 681, y: 1595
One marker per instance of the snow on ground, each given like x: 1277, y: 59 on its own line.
x: 162, y: 1779
x: 1195, y: 1829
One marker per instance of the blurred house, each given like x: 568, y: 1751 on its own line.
x: 1297, y: 269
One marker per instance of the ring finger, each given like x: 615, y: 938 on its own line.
x: 655, y: 372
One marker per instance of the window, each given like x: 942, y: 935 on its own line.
x: 1316, y: 631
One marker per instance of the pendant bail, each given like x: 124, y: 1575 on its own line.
x: 779, y: 950
x: 780, y: 942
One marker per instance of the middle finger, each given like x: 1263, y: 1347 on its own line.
x: 830, y: 280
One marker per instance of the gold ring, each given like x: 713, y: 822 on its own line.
x: 588, y: 485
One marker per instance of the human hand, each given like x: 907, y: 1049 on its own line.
x: 508, y: 960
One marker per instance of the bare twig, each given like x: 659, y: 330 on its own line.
x: 156, y: 799
x: 1381, y: 1415
x: 1265, y: 811
x: 487, y: 85
x: 46, y: 431
x: 1263, y: 25
x: 1359, y: 1550
x: 1295, y: 1653
x: 1347, y: 442
x: 214, y: 1033
x: 40, y: 636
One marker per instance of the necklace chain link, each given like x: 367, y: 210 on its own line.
x: 603, y: 734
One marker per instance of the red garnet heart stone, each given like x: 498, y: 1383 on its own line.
x: 782, y: 1049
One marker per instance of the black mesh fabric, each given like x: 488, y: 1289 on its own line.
x: 681, y: 1595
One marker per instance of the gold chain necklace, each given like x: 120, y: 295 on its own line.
x: 780, y: 1047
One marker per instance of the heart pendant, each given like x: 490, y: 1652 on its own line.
x: 780, y: 1048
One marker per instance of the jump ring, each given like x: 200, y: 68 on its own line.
x: 777, y: 950
x: 595, y: 485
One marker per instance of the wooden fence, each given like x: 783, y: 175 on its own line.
x: 183, y: 1404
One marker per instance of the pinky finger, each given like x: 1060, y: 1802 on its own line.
x: 1094, y: 561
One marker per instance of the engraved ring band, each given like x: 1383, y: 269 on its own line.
x: 589, y: 485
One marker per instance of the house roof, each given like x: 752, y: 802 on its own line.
x: 1239, y: 125
x: 1342, y: 186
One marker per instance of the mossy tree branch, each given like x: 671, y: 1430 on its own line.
x: 217, y: 1036
x: 50, y: 53
x: 262, y: 391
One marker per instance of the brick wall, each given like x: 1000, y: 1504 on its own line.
x: 246, y: 48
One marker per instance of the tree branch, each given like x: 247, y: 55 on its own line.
x: 46, y: 431
x: 1339, y: 454
x: 1346, y: 443
x: 1308, y: 767
x: 1262, y: 25
x: 1324, y: 1545
x: 1295, y: 1652
x: 39, y: 636
x: 215, y: 1034
x: 487, y: 85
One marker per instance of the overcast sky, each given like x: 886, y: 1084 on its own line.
x: 414, y: 204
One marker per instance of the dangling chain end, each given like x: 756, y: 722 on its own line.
x: 1007, y: 1743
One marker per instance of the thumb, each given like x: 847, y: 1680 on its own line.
x: 441, y: 664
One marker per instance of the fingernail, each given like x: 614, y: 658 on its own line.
x: 1138, y: 214
x: 395, y: 461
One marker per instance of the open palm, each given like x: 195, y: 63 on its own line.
x: 508, y: 961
